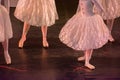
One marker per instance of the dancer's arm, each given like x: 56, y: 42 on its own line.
x: 98, y: 5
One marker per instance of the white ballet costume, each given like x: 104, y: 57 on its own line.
x: 37, y: 12
x: 5, y: 24
x: 5, y: 28
x: 85, y: 30
x: 112, y: 9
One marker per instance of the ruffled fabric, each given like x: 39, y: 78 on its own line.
x: 111, y: 8
x: 83, y: 32
x: 37, y: 12
x: 5, y: 24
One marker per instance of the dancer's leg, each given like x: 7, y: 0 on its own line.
x: 44, y: 36
x: 26, y: 28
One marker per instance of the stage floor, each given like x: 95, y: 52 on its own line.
x: 58, y: 62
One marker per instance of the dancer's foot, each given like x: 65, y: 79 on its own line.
x: 111, y: 39
x: 90, y: 66
x: 21, y: 42
x: 45, y: 44
x: 7, y: 57
x: 81, y: 58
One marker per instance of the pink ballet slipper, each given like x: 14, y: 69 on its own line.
x: 45, y: 43
x: 81, y: 58
x: 21, y: 42
x: 90, y: 66
x: 7, y: 57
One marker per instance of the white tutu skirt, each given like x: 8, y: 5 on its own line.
x: 5, y: 24
x: 84, y: 32
x: 37, y: 12
x: 111, y: 8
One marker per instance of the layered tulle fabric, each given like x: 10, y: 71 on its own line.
x: 83, y: 33
x: 85, y: 30
x: 37, y: 12
x: 111, y: 8
x: 6, y: 4
x: 5, y: 24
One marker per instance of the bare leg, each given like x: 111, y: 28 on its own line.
x: 88, y: 54
x: 82, y: 58
x: 44, y: 36
x: 6, y: 53
x: 110, y: 26
x: 26, y: 28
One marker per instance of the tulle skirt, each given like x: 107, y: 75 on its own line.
x: 37, y: 12
x: 84, y: 32
x: 112, y: 9
x: 5, y: 24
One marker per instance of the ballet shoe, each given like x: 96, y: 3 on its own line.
x: 21, y: 43
x: 7, y: 57
x: 111, y: 39
x: 81, y: 58
x: 90, y: 66
x: 45, y: 44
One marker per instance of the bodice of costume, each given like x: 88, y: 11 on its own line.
x: 86, y: 7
